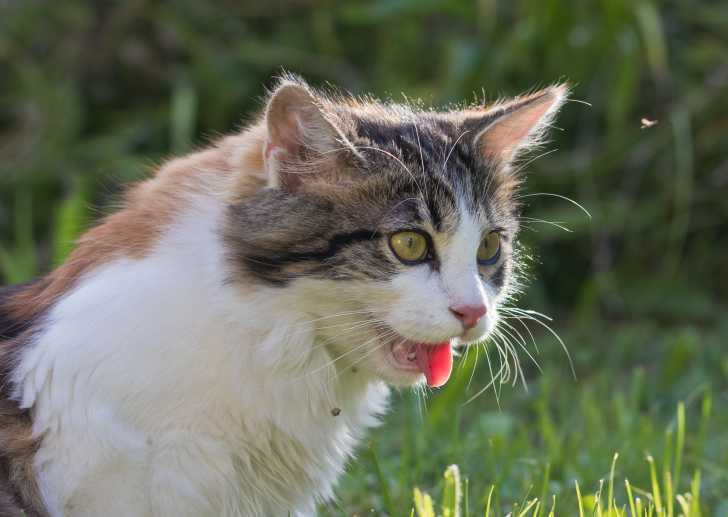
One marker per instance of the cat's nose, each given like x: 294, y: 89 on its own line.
x: 468, y: 314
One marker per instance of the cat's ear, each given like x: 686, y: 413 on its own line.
x: 511, y: 128
x: 300, y: 136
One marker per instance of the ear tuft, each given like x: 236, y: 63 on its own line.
x: 299, y: 132
x: 513, y: 127
x: 290, y: 106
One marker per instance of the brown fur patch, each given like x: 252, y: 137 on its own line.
x: 227, y: 171
x: 231, y: 168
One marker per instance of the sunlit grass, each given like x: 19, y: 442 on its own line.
x: 614, y: 497
x: 604, y: 445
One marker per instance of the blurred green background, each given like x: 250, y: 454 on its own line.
x: 94, y: 94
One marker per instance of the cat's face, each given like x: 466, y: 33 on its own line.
x: 395, y: 236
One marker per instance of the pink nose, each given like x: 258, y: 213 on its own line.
x: 468, y: 314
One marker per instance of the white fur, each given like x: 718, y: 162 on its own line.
x: 161, y: 389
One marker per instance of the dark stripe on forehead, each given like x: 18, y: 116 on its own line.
x: 268, y: 266
x: 441, y: 200
x: 409, y: 208
x: 422, y: 143
x: 415, y: 142
x: 419, y: 139
x: 436, y: 214
x: 378, y: 133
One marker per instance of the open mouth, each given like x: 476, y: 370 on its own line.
x: 433, y: 360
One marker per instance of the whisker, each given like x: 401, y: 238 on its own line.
x: 506, y: 347
x: 383, y: 151
x: 350, y: 336
x: 492, y: 382
x: 375, y: 325
x: 475, y: 366
x: 503, y: 355
x: 529, y: 312
x: 517, y: 370
x: 348, y: 352
x: 371, y: 352
x: 529, y: 315
x: 580, y: 207
x: 421, y: 394
x: 464, y: 358
x: 419, y: 145
x: 533, y: 339
x: 529, y: 162
x: 579, y: 101
x: 444, y: 164
x: 543, y: 221
x: 329, y: 316
x: 356, y: 325
x: 513, y: 332
x: 396, y: 206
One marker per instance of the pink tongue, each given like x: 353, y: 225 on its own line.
x: 435, y: 361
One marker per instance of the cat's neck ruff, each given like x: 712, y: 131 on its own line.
x: 159, y: 364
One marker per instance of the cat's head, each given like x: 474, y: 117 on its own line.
x: 391, y: 228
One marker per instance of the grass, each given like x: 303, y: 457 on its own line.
x: 656, y: 501
x: 609, y: 443
x: 661, y: 498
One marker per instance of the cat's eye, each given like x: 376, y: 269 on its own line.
x: 409, y: 247
x: 489, y: 249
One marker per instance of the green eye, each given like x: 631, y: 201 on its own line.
x: 409, y: 247
x: 489, y: 249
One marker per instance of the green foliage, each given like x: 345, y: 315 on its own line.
x: 18, y: 260
x: 94, y: 94
x: 538, y: 444
x: 660, y: 500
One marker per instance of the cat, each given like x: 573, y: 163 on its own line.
x: 219, y: 345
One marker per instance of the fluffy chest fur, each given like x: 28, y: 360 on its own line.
x: 159, y: 378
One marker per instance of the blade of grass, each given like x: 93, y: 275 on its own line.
x: 545, y: 486
x: 610, y: 489
x: 383, y: 484
x: 656, y: 497
x: 679, y: 443
x: 487, y: 504
x: 423, y: 504
x: 630, y: 496
x: 579, y: 499
x: 452, y: 492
